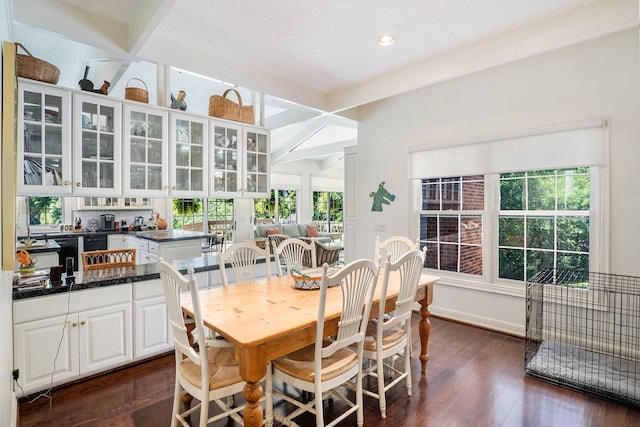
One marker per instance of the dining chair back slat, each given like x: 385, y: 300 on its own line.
x: 396, y: 246
x: 292, y: 253
x: 243, y: 259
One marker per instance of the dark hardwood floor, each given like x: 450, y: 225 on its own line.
x: 474, y: 378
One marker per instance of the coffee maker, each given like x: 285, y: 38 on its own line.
x: 107, y: 222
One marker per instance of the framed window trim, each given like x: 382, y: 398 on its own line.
x: 597, y: 158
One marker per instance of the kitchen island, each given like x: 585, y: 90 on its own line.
x: 167, y: 244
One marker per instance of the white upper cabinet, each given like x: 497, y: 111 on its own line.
x: 240, y: 160
x: 97, y: 145
x: 146, y: 165
x: 256, y: 162
x: 44, y: 141
x: 225, y: 159
x: 189, y: 137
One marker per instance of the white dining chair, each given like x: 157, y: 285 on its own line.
x: 322, y: 367
x: 394, y: 245
x: 209, y: 374
x: 243, y: 259
x: 391, y: 336
x: 293, y: 252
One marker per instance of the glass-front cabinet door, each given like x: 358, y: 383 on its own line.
x: 97, y: 154
x: 145, y: 151
x: 226, y: 149
x: 256, y: 165
x: 189, y: 155
x: 44, y: 147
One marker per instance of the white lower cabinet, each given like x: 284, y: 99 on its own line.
x: 84, y: 341
x: 152, y: 332
x: 117, y: 241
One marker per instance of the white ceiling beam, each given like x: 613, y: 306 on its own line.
x: 148, y: 16
x: 288, y: 117
x: 334, y: 161
x: 312, y: 127
x: 314, y: 152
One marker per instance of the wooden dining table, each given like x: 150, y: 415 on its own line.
x: 269, y: 318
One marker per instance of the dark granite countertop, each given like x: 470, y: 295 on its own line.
x: 116, y: 276
x: 170, y: 235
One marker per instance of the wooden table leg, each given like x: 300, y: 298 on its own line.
x: 425, y: 326
x: 253, y: 365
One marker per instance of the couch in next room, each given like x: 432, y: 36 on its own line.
x: 291, y: 230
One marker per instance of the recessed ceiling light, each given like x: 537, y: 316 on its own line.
x: 386, y: 40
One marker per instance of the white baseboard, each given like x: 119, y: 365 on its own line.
x: 484, y: 322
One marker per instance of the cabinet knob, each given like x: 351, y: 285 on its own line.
x: 78, y: 184
x: 173, y: 187
x: 74, y: 324
x: 66, y: 183
x: 84, y: 322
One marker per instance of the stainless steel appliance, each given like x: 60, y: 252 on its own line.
x: 107, y: 222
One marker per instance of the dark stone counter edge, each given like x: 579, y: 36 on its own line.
x: 118, y: 276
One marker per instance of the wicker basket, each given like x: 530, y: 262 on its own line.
x: 136, y: 93
x: 30, y: 67
x: 220, y: 106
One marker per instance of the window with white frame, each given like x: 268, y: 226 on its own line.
x: 451, y: 223
x: 526, y: 201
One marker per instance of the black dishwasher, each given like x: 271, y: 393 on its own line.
x: 95, y: 242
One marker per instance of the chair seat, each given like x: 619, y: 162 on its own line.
x: 224, y: 369
x: 299, y: 364
x: 390, y: 337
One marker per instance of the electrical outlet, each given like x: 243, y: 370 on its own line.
x: 16, y: 374
x: 379, y: 226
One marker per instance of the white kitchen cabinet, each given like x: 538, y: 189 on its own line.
x: 132, y: 203
x: 240, y: 159
x: 152, y: 334
x: 148, y: 251
x: 37, y: 344
x: 44, y: 141
x: 256, y: 162
x: 97, y: 145
x: 95, y: 335
x: 117, y: 241
x: 189, y: 137
x: 145, y: 152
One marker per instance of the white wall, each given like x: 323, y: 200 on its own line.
x: 596, y: 79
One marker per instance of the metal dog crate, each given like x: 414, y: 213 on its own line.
x: 583, y: 330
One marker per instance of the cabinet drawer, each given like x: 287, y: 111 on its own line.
x: 147, y: 289
x: 57, y: 305
x: 138, y: 244
x: 154, y: 248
